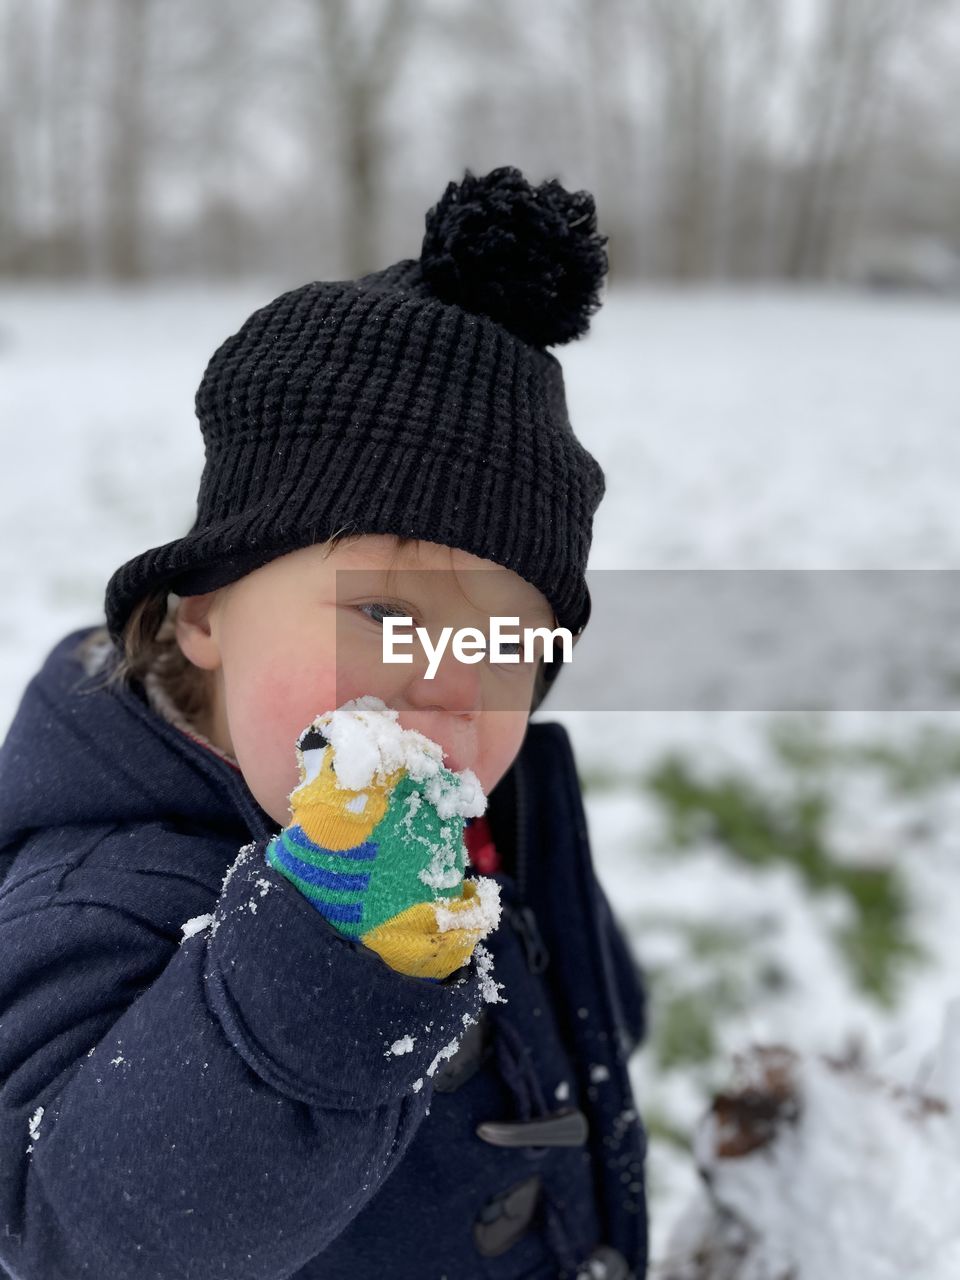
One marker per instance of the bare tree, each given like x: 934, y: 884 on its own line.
x: 846, y: 93
x: 753, y: 55
x: 688, y: 38
x: 69, y: 95
x: 360, y: 53
x: 20, y: 149
x: 126, y: 152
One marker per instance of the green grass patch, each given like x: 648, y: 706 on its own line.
x: 765, y: 827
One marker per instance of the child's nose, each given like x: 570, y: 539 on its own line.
x: 455, y: 688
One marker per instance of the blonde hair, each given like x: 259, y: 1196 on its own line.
x: 150, y: 648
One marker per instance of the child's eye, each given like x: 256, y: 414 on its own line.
x: 392, y: 610
x: 510, y: 649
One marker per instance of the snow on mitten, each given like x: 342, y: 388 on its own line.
x: 376, y: 842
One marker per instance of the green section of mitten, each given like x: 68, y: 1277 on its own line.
x: 411, y: 837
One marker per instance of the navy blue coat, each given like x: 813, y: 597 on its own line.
x: 235, y: 1103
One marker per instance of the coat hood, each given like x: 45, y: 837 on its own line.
x: 69, y: 713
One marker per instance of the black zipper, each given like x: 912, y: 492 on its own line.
x: 520, y: 845
x: 525, y: 923
x: 522, y: 917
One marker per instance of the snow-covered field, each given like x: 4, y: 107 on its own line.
x: 757, y: 429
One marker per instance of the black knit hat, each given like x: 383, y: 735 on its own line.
x: 418, y: 401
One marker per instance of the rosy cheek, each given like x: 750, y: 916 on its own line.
x: 356, y: 673
x: 357, y: 676
x: 267, y: 718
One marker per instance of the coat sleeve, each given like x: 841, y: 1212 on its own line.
x: 630, y: 980
x: 220, y: 1104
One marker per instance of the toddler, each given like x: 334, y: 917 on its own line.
x: 305, y: 968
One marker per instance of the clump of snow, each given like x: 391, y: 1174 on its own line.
x: 34, y: 1124
x: 444, y: 870
x: 242, y: 857
x: 196, y: 924
x: 815, y: 1167
x: 464, y: 797
x: 403, y: 1045
x: 447, y: 1051
x: 562, y: 1091
x: 369, y: 744
x: 483, y: 913
x: 489, y: 988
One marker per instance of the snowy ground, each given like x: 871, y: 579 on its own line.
x: 737, y: 430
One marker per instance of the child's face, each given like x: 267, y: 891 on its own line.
x: 270, y: 641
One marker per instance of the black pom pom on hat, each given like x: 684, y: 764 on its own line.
x: 528, y: 257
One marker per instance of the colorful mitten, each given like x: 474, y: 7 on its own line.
x: 376, y: 842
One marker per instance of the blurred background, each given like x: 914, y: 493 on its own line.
x: 770, y: 383
x: 724, y: 139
